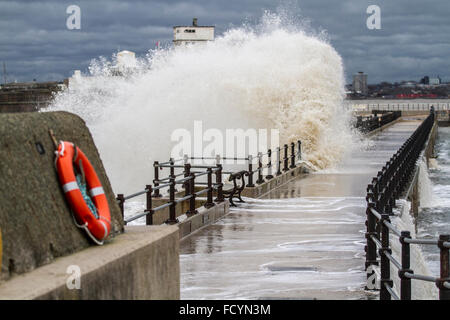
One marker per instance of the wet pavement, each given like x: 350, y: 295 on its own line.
x: 304, y: 240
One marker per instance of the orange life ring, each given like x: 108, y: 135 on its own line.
x: 68, y: 158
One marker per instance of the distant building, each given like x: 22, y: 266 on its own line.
x: 360, y: 83
x: 126, y: 63
x: 194, y: 34
x: 126, y: 59
x: 74, y: 81
x: 408, y: 84
x: 425, y: 80
x: 435, y: 81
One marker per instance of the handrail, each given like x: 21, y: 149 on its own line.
x: 420, y: 277
x: 369, y: 123
x: 188, y: 181
x: 284, y: 162
x: 406, y: 106
x: 391, y: 291
x: 382, y: 193
x: 392, y: 228
x: 422, y: 241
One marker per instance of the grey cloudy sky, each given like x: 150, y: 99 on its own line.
x: 414, y: 39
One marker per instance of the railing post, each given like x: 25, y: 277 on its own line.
x: 219, y: 183
x: 187, y: 173
x: 149, y: 216
x: 278, y: 161
x: 269, y: 165
x: 209, y: 196
x: 192, y: 210
x: 292, y: 155
x: 299, y: 150
x: 385, y: 263
x: 405, y: 282
x: 156, y: 179
x: 371, y: 248
x: 260, y: 175
x: 172, y: 208
x: 250, y: 172
x: 286, y: 158
x: 444, y: 293
x: 121, y: 200
x: 172, y: 170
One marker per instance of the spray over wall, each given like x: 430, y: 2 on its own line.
x: 272, y: 76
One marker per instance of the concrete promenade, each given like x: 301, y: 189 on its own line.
x: 303, y: 240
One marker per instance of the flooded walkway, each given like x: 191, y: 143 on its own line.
x: 304, y: 240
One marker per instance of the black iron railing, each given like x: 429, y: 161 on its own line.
x: 372, y: 122
x: 402, y: 106
x: 386, y: 187
x: 188, y: 179
x: 287, y: 158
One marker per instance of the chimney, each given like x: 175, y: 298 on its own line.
x: 194, y: 22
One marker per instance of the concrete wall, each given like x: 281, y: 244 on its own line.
x: 261, y: 189
x: 161, y: 216
x: 41, y: 241
x: 26, y: 97
x: 35, y: 220
x: 412, y: 193
x: 1, y: 247
x: 203, y: 218
x: 142, y: 263
x: 373, y: 132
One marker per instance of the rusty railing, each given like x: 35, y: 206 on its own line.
x: 189, y: 181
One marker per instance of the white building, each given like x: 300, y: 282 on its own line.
x: 126, y: 59
x: 74, y: 81
x: 435, y: 81
x: 194, y: 34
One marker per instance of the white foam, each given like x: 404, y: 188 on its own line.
x: 273, y: 75
x: 421, y: 290
x: 426, y: 197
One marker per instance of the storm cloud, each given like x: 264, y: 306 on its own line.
x: 414, y: 39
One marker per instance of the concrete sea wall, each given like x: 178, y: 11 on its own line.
x: 29, y: 96
x: 35, y: 220
x: 40, y: 239
x: 412, y: 193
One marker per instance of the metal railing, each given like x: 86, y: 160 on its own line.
x: 257, y: 164
x: 401, y: 106
x: 382, y: 193
x: 188, y: 179
x: 370, y: 123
